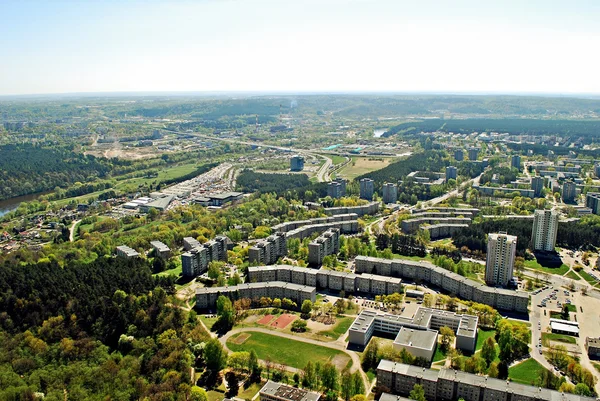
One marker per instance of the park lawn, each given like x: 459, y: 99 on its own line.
x: 173, y: 272
x: 248, y: 393
x: 363, y: 165
x: 415, y: 258
x: 572, y: 275
x: 440, y: 354
x: 587, y: 277
x: 483, y: 335
x: 559, y: 337
x: 335, y: 159
x: 342, y: 325
x: 284, y: 351
x: 533, y: 264
x: 526, y: 372
x: 209, y: 322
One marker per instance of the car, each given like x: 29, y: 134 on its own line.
x: 540, y: 351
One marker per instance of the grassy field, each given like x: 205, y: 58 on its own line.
x: 558, y: 337
x: 439, y: 354
x: 572, y: 275
x: 335, y: 159
x: 285, y: 351
x: 362, y: 165
x: 533, y: 264
x: 248, y: 393
x: 209, y: 322
x: 483, y: 335
x: 587, y: 277
x: 526, y: 372
x: 571, y: 308
x: 342, y: 326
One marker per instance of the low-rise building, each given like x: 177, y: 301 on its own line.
x: 592, y: 345
x: 273, y: 391
x: 160, y: 249
x: 126, y: 252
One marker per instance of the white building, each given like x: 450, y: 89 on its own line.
x: 500, y: 260
x: 545, y: 227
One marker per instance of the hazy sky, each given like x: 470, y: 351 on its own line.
x: 303, y: 45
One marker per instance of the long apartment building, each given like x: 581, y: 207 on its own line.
x: 456, y: 211
x: 346, y: 223
x: 270, y: 249
x: 412, y: 225
x: 206, y: 297
x: 195, y: 261
x: 425, y: 320
x: 292, y: 225
x: 449, y: 385
x: 450, y: 282
x: 370, y: 208
x: 326, y: 244
x: 326, y: 279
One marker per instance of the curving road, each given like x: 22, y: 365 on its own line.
x: 333, y: 345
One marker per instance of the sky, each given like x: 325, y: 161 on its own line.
x: 444, y: 46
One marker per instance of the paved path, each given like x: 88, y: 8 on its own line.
x: 333, y: 345
x: 72, y: 230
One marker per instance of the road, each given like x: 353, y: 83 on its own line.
x: 72, y: 230
x: 337, y: 345
x: 323, y: 175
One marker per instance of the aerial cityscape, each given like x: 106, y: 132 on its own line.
x: 183, y: 220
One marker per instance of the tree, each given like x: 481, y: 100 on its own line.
x: 225, y: 313
x: 239, y: 360
x: 583, y: 389
x: 369, y: 358
x: 309, y: 376
x: 488, y: 350
x: 233, y: 384
x: 306, y: 308
x: 358, y: 397
x: 493, y: 370
x: 329, y: 377
x: 447, y: 336
x: 214, y: 355
x: 277, y: 303
x: 417, y: 393
x: 299, y: 326
x: 198, y: 394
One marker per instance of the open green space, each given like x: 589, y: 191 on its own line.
x: 483, y: 335
x: 572, y: 275
x: 335, y: 159
x: 587, y: 277
x: 559, y: 337
x: 209, y: 322
x: 248, y: 393
x: 342, y: 325
x: 363, y: 165
x: 285, y: 351
x: 526, y: 372
x: 533, y: 264
x: 571, y: 308
x: 439, y: 355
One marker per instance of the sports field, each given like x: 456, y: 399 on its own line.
x: 286, y: 351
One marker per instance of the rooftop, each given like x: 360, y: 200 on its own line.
x: 286, y: 392
x: 161, y: 247
x: 425, y: 339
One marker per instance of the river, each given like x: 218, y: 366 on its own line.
x: 378, y: 133
x: 8, y: 205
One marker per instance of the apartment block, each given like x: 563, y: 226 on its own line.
x: 195, y: 261
x: 267, y: 251
x: 126, y: 252
x: 537, y: 185
x: 592, y: 200
x: 449, y: 385
x: 448, y: 281
x: 336, y: 188
x: 367, y: 187
x: 206, y: 297
x: 161, y: 250
x: 500, y: 260
x: 545, y: 227
x: 326, y: 244
x: 297, y: 163
x: 451, y: 173
x: 569, y: 191
x: 390, y: 193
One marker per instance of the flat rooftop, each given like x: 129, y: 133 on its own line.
x: 286, y: 392
x: 160, y: 246
x: 425, y: 339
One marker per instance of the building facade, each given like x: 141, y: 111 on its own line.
x: 515, y: 162
x: 545, y: 227
x: 537, y: 185
x: 267, y: 251
x: 592, y: 200
x: 390, y: 193
x: 451, y: 173
x: 366, y: 186
x: 473, y: 153
x: 336, y: 188
x: 297, y: 163
x: 195, y: 261
x: 459, y: 155
x: 326, y: 244
x: 569, y: 191
x: 500, y: 260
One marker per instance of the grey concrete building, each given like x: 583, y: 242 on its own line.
x: 160, y: 249
x: 297, y: 163
x: 592, y: 345
x: 448, y: 281
x: 268, y: 250
x: 450, y: 385
x: 592, y: 200
x: 545, y: 227
x: 537, y: 185
x: 412, y: 225
x: 367, y: 187
x: 206, y: 297
x: 515, y: 162
x: 126, y: 252
x: 326, y: 244
x: 190, y: 243
x: 425, y: 319
x: 459, y: 155
x: 273, y: 391
x: 195, y: 261
x: 390, y: 193
x: 370, y: 208
x: 336, y: 188
x: 451, y: 173
x: 569, y: 191
x: 500, y: 259
x: 597, y: 170
x: 473, y: 153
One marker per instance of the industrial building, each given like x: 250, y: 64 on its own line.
x: 390, y: 193
x: 367, y: 187
x: 545, y: 227
x: 453, y: 283
x: 425, y: 321
x: 326, y: 244
x: 206, y: 297
x: 450, y: 384
x: 273, y: 391
x: 500, y: 259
